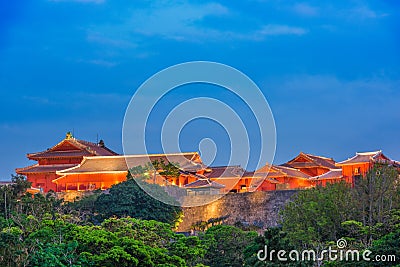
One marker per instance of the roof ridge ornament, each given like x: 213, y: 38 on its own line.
x: 68, y: 136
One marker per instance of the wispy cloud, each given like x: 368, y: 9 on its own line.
x: 372, y: 89
x: 99, y: 38
x: 273, y: 29
x: 305, y: 9
x: 77, y: 99
x: 81, y: 1
x: 99, y: 62
x: 358, y: 11
x: 365, y: 12
x: 186, y: 22
x: 177, y: 21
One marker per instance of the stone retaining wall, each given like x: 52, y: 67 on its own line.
x: 256, y: 208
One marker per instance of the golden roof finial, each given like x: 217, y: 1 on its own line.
x: 68, y: 136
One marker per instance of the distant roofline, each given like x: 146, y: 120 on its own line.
x: 6, y: 183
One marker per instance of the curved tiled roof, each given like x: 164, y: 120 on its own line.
x: 270, y: 171
x: 60, y: 154
x: 365, y: 157
x: 332, y: 174
x: 292, y: 172
x: 204, y: 183
x: 224, y: 172
x: 107, y: 164
x: 44, y: 168
x: 78, y: 148
x: 312, y: 161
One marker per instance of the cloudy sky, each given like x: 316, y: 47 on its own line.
x: 330, y: 72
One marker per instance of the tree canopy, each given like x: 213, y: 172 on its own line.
x: 127, y: 227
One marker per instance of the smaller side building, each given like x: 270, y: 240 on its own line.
x: 354, y: 168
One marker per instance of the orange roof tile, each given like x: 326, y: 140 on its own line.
x: 374, y: 156
x: 82, y: 148
x: 204, y: 183
x: 312, y: 162
x: 225, y: 172
x: 332, y: 174
x: 44, y: 168
x: 292, y: 172
x: 106, y: 164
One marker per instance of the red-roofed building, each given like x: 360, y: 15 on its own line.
x: 229, y: 176
x: 103, y: 172
x: 332, y: 176
x: 66, y: 154
x: 204, y: 186
x: 310, y: 164
x: 356, y: 167
x: 282, y: 178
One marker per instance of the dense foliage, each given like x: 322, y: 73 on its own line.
x: 128, y: 199
x: 126, y: 227
x: 366, y: 216
x: 38, y: 230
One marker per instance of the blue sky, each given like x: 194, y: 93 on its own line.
x: 330, y: 72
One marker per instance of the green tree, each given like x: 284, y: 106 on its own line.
x: 387, y: 245
x: 225, y: 245
x: 129, y: 199
x: 12, y: 249
x: 376, y: 196
x: 273, y: 239
x: 21, y: 184
x: 314, y: 216
x: 10, y: 194
x: 191, y: 249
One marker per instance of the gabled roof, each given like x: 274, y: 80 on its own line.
x: 304, y: 160
x: 44, y: 168
x: 332, y: 174
x: 204, y: 183
x: 225, y: 172
x: 270, y: 171
x: 273, y: 171
x: 71, y: 147
x: 292, y: 172
x: 110, y: 164
x: 364, y: 157
x: 260, y: 177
